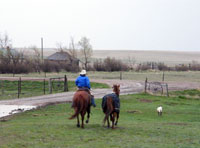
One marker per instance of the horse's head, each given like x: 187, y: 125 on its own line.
x: 116, y: 89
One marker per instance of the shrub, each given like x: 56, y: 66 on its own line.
x: 181, y: 67
x: 162, y: 67
x: 46, y: 67
x: 99, y: 65
x: 110, y: 64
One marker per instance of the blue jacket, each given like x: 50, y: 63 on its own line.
x: 82, y: 81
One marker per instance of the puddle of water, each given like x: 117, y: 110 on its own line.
x: 6, y: 110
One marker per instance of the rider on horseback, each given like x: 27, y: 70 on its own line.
x: 83, y: 83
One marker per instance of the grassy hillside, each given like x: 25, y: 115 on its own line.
x: 139, y: 126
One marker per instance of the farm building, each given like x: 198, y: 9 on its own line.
x: 63, y: 58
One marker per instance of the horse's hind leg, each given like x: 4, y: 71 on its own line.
x: 106, y: 118
x: 78, y: 123
x: 112, y: 118
x: 108, y: 122
x: 82, y: 118
x: 88, y: 115
x: 117, y: 119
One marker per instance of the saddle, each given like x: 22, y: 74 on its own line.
x: 87, y: 90
x: 84, y: 89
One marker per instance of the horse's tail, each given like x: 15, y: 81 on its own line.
x: 75, y: 114
x: 109, y: 106
x: 78, y: 107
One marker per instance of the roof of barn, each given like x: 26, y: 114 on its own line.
x: 61, y: 56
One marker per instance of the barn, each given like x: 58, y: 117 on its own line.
x: 63, y: 57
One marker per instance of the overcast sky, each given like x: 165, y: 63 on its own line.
x: 109, y: 24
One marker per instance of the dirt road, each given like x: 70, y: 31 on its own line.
x: 9, y: 107
x: 127, y: 87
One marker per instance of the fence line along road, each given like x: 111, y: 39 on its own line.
x: 61, y: 97
x: 21, y: 86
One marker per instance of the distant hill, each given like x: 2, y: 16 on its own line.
x: 170, y: 58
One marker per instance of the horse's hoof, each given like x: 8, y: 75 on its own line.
x: 87, y: 121
x: 113, y: 127
x: 78, y: 125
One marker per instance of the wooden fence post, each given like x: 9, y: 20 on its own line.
x: 162, y: 89
x: 44, y: 86
x: 50, y: 86
x: 19, y: 87
x: 65, y: 84
x: 120, y: 75
x: 167, y: 90
x: 145, y: 85
x: 163, y: 77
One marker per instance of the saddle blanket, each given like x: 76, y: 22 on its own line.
x: 115, y: 99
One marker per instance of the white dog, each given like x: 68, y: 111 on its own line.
x: 159, y: 110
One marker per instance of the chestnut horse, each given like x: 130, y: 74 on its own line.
x: 109, y: 106
x: 81, y: 105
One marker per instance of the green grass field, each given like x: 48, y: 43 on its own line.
x: 139, y: 126
x: 36, y: 88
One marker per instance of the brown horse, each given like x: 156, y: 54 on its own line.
x: 81, y: 105
x: 109, y: 106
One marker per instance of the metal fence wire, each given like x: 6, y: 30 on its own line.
x: 8, y: 89
x: 26, y: 88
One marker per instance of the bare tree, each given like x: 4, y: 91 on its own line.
x: 131, y: 62
x: 5, y: 57
x: 72, y: 50
x: 85, y: 50
x: 4, y: 41
x: 12, y: 61
x: 36, y: 58
x: 60, y: 47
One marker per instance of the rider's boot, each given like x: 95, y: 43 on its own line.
x: 92, y: 101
